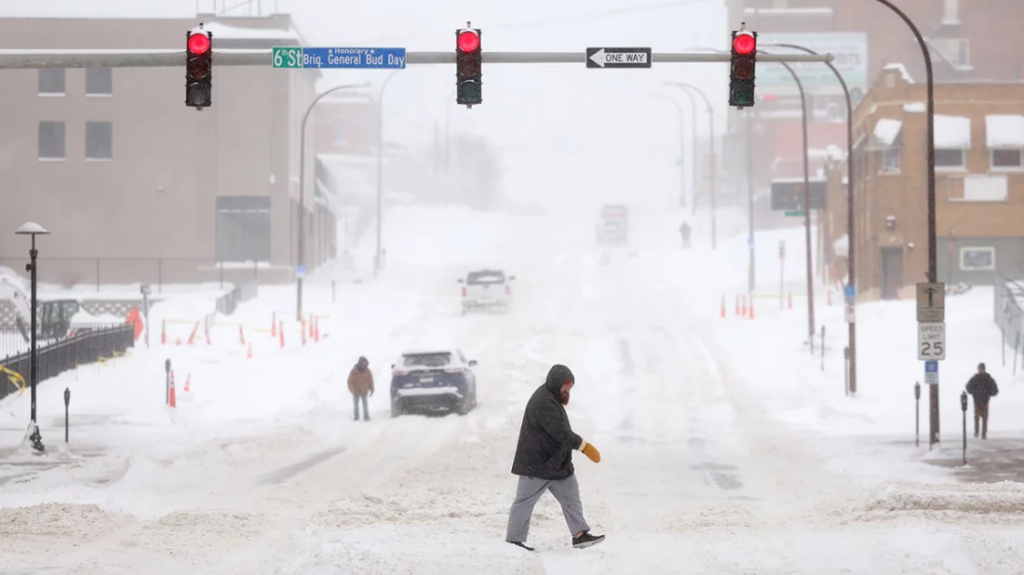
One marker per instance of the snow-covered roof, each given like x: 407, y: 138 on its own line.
x: 902, y: 70
x: 915, y: 107
x: 887, y: 130
x: 1004, y: 131
x: 224, y: 31
x: 952, y: 132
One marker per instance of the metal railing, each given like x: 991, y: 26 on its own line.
x: 228, y: 303
x: 1008, y: 313
x: 15, y: 338
x: 81, y: 348
x: 71, y: 272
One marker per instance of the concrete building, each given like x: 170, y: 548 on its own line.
x: 979, y: 139
x: 135, y: 186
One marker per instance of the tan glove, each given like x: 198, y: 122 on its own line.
x: 591, y: 452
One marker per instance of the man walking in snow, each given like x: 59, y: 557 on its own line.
x: 982, y: 388
x: 360, y: 383
x: 543, y: 461
x: 684, y: 230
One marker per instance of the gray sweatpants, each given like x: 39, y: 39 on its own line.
x: 529, y: 492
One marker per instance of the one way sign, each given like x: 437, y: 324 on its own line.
x: 618, y: 57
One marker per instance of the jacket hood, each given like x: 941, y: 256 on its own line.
x: 557, y: 375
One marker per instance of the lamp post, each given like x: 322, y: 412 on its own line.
x: 380, y: 172
x: 714, y: 166
x: 682, y: 166
x: 851, y: 280
x: 33, y: 229
x: 301, y: 271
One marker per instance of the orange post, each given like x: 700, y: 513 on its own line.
x: 163, y: 333
x: 280, y: 332
x: 188, y: 382
x: 743, y: 305
x: 751, y: 306
x: 171, y: 399
x: 723, y: 307
x: 241, y: 334
x: 273, y: 325
x: 737, y: 313
x: 312, y: 320
x: 192, y: 336
x: 249, y: 354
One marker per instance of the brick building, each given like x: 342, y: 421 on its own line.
x: 135, y: 186
x: 968, y: 41
x: 979, y: 139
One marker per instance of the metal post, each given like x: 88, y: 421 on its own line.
x: 167, y: 381
x: 963, y: 408
x: 36, y: 437
x: 822, y: 348
x: 846, y: 369
x: 917, y: 414
x: 851, y: 244
x: 301, y: 263
x: 145, y: 310
x: 711, y: 145
x: 752, y: 261
x: 380, y: 171
x: 334, y: 298
x: 682, y: 170
x: 806, y: 206
x: 930, y: 143
x: 67, y: 402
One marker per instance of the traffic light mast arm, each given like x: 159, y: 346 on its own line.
x: 41, y: 59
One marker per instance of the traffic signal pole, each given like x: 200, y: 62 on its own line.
x: 159, y: 58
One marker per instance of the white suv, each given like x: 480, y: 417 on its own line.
x: 486, y: 289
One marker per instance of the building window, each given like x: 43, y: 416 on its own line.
x: 1006, y: 160
x: 947, y: 158
x: 891, y: 160
x: 51, y: 140
x: 51, y: 82
x: 243, y: 229
x: 977, y: 259
x: 99, y: 81
x: 99, y: 141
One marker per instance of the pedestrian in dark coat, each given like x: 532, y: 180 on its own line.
x: 543, y: 461
x: 360, y: 384
x: 982, y: 388
x: 684, y: 230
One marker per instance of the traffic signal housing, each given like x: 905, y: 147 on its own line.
x: 741, y: 68
x: 199, y: 70
x: 468, y: 68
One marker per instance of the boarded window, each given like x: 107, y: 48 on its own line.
x: 99, y: 81
x: 99, y: 140
x: 51, y: 140
x: 243, y: 229
x: 977, y: 259
x: 51, y: 81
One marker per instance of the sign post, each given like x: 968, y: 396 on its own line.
x: 931, y: 346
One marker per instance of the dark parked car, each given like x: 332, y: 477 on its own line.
x: 433, y: 380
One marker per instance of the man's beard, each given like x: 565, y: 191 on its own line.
x: 563, y: 396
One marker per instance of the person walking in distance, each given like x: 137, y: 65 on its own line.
x: 543, y: 461
x: 982, y: 388
x: 360, y: 384
x: 684, y: 230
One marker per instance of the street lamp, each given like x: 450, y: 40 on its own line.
x: 711, y: 130
x: 682, y: 164
x: 33, y: 229
x: 300, y: 272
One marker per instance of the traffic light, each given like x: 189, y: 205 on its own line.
x: 741, y: 72
x: 199, y: 70
x: 468, y: 59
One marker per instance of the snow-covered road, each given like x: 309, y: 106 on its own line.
x: 696, y: 477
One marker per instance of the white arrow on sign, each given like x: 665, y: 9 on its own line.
x: 598, y: 57
x: 601, y: 57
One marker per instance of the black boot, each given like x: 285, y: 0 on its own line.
x: 520, y: 544
x: 586, y: 540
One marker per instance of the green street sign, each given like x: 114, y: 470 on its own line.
x: 287, y: 57
x: 796, y: 213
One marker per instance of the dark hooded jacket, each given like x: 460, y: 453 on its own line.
x: 546, y: 440
x: 982, y: 387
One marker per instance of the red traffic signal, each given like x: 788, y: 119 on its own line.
x: 469, y: 41
x: 744, y: 43
x: 198, y: 43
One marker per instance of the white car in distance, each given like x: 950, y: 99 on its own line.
x: 486, y: 289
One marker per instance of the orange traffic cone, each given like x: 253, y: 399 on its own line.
x: 743, y: 305
x: 751, y: 306
x: 737, y: 312
x: 316, y: 329
x: 273, y: 325
x: 723, y: 307
x: 249, y: 354
x: 188, y: 382
x: 312, y: 320
x: 171, y: 399
x: 163, y: 333
x: 192, y: 336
